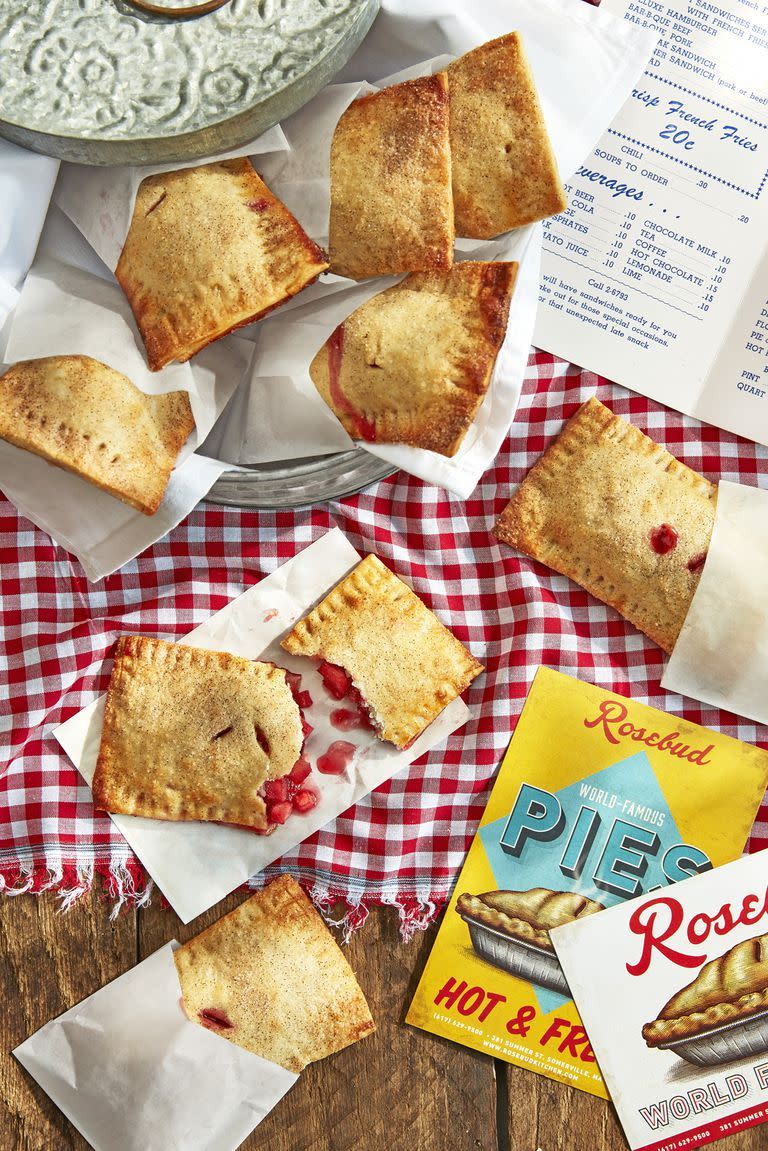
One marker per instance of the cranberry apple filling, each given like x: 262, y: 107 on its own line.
x: 339, y: 686
x: 215, y: 1019
x: 287, y: 794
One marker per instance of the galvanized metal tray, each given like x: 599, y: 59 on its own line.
x: 299, y: 483
x: 156, y: 81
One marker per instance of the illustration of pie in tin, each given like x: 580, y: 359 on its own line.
x: 723, y: 1014
x: 510, y: 929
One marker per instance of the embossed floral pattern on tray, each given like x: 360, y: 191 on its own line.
x: 99, y: 69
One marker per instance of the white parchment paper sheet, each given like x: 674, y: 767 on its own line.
x: 65, y: 310
x: 197, y: 864
x: 26, y: 184
x: 721, y: 655
x: 133, y: 1073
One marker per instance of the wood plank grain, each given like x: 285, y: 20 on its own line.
x: 49, y: 962
x: 398, y: 1090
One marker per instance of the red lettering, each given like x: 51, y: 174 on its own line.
x: 470, y: 1001
x: 646, y: 922
x: 554, y: 1029
x: 611, y: 711
x: 613, y: 714
x: 575, y: 1039
x: 450, y: 992
x: 494, y: 999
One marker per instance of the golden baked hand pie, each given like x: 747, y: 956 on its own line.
x: 614, y: 511
x: 503, y: 170
x: 732, y: 987
x: 527, y: 915
x: 85, y: 417
x: 413, y: 364
x: 391, y: 205
x: 270, y: 977
x: 208, y: 250
x: 194, y: 734
x: 378, y: 639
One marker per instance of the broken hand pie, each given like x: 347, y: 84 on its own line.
x: 208, y: 250
x: 614, y: 511
x: 85, y: 417
x: 391, y: 204
x: 503, y: 170
x: 270, y: 977
x: 388, y: 647
x: 413, y: 364
x: 730, y: 989
x: 194, y: 734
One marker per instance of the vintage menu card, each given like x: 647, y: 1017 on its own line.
x: 673, y: 990
x: 598, y: 799
x: 656, y: 275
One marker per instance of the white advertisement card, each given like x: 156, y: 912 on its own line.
x: 672, y: 988
x: 133, y: 1073
x: 196, y: 864
x: 656, y: 275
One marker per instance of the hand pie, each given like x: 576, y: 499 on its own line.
x: 194, y: 734
x: 413, y: 364
x: 378, y: 639
x: 728, y: 990
x: 527, y: 915
x: 270, y: 977
x: 208, y: 250
x: 608, y: 507
x: 503, y: 170
x: 85, y: 417
x: 391, y: 206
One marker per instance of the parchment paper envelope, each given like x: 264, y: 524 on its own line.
x: 133, y: 1073
x: 197, y: 864
x: 721, y: 655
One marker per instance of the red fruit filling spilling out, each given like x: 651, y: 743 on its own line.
x: 287, y: 794
x: 664, y: 539
x: 335, y: 680
x: 215, y: 1019
x: 696, y: 563
x: 338, y: 684
x: 257, y: 205
x: 337, y: 758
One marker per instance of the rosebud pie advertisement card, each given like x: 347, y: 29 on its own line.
x: 673, y: 990
x: 598, y: 799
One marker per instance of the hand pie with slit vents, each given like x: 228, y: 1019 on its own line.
x: 614, y: 511
x: 732, y: 987
x: 404, y: 663
x: 85, y: 417
x: 503, y: 170
x: 527, y: 915
x: 412, y: 365
x: 208, y: 250
x: 271, y: 978
x: 391, y: 204
x: 193, y: 734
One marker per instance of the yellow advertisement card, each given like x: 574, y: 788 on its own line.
x: 598, y: 799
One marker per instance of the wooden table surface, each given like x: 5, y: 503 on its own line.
x: 399, y: 1089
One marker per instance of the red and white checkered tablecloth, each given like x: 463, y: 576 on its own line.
x: 404, y: 844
